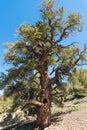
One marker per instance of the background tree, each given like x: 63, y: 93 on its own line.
x: 78, y: 83
x: 40, y: 58
x: 5, y: 104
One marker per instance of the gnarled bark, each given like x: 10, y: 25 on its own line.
x: 44, y: 112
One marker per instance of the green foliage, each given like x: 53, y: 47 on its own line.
x: 79, y: 82
x: 5, y: 104
x: 73, y: 18
x: 60, y: 94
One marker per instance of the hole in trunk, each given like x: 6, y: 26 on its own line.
x: 45, y: 100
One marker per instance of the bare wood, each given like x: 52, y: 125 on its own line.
x: 34, y: 102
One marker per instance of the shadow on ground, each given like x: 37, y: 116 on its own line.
x: 27, y: 125
x: 22, y: 126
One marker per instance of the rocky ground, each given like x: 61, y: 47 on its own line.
x: 72, y: 120
x: 76, y: 120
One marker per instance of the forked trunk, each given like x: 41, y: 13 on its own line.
x: 44, y: 112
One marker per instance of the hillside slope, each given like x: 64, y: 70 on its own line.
x: 76, y: 120
x: 72, y: 120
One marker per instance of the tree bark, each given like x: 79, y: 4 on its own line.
x: 44, y: 112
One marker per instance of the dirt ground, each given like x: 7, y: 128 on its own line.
x: 75, y: 120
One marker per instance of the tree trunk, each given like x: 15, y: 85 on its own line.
x: 44, y: 112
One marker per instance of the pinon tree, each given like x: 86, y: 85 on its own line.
x: 79, y: 83
x: 40, y: 58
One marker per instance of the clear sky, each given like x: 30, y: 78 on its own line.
x: 15, y: 12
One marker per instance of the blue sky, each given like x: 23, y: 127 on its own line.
x: 15, y: 12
